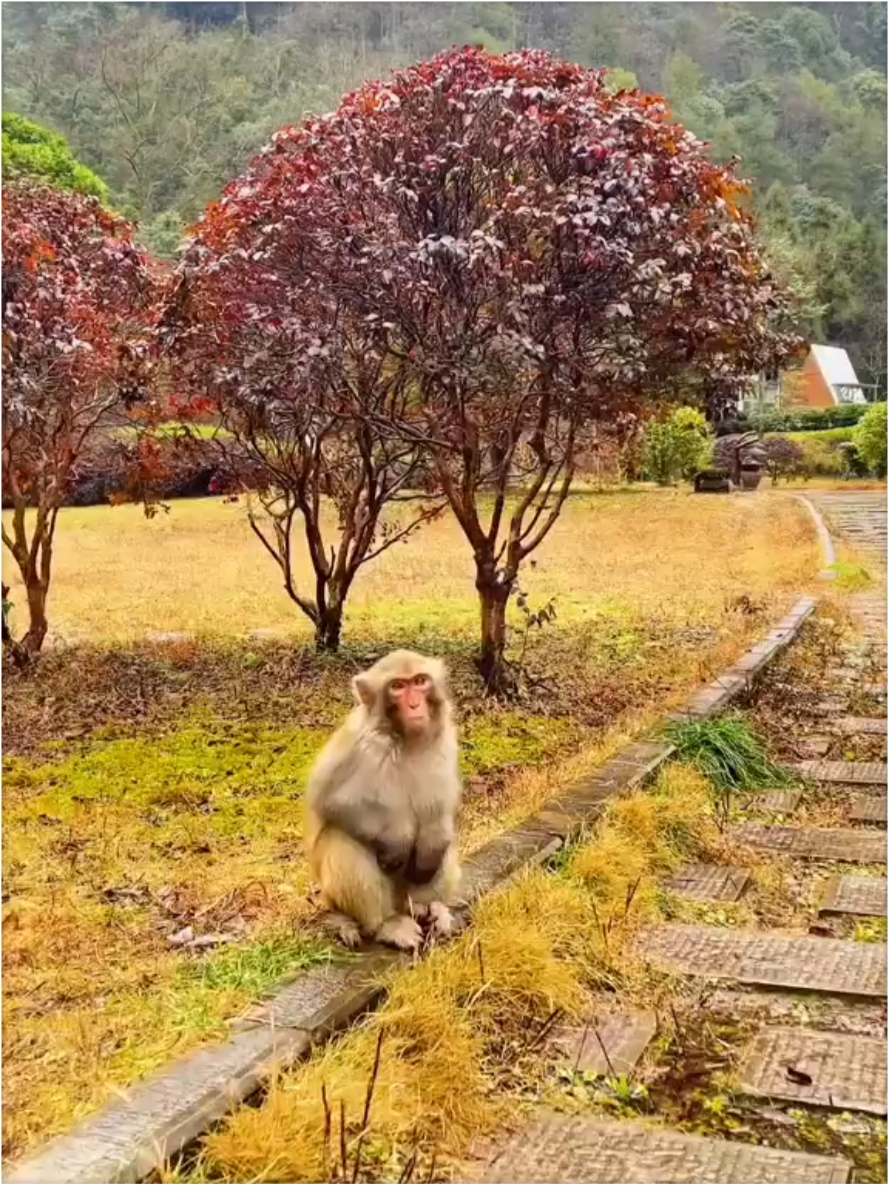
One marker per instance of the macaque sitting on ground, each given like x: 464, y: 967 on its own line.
x: 382, y: 805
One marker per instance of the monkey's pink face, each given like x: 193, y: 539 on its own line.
x: 410, y: 702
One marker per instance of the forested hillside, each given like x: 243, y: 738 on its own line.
x: 167, y: 101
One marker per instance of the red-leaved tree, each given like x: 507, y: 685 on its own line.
x: 521, y: 255
x: 298, y: 385
x: 76, y: 299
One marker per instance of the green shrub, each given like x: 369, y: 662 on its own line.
x: 677, y: 447
x: 822, y: 454
x: 30, y: 150
x: 870, y: 439
x: 829, y: 436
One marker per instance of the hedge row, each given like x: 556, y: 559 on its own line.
x: 824, y: 454
x: 844, y: 415
x: 109, y: 472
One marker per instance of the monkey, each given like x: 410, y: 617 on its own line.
x: 382, y: 803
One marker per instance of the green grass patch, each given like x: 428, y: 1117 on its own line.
x: 870, y: 930
x: 828, y: 436
x: 188, y: 769
x: 257, y: 968
x: 510, y: 739
x: 849, y: 576
x: 174, y: 428
x: 730, y: 754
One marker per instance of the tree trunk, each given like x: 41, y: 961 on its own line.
x: 37, y: 623
x: 328, y: 628
x: 491, y: 661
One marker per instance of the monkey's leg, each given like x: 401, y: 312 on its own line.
x: 353, y: 883
x: 431, y: 901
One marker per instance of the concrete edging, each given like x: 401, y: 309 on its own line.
x: 828, y: 550
x: 160, y: 1116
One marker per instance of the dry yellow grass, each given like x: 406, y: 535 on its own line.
x: 646, y: 582
x: 456, y: 1035
x: 199, y: 568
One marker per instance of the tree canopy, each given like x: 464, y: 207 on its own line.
x: 479, y: 258
x: 168, y: 101
x: 76, y: 294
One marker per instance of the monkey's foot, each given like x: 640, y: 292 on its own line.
x: 344, y: 928
x: 400, y: 931
x: 441, y: 920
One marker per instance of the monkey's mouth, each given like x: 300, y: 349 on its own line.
x: 414, y: 721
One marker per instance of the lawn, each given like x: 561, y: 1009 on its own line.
x: 152, y: 788
x: 199, y: 568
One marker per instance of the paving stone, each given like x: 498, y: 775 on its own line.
x: 851, y: 773
x: 833, y: 704
x: 861, y: 725
x: 560, y: 1148
x: 585, y: 801
x: 716, y: 695
x: 775, y: 802
x: 709, y: 882
x: 863, y: 895
x: 552, y: 819
x: 765, y: 959
x: 847, y: 1072
x: 813, y: 746
x: 869, y: 808
x: 157, y: 1118
x: 612, y: 1047
x: 814, y: 843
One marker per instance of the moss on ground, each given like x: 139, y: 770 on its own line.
x: 112, y: 846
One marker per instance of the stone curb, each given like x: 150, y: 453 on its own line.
x: 163, y: 1114
x: 828, y: 550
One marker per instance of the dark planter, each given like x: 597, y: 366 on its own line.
x: 712, y: 481
x: 750, y: 478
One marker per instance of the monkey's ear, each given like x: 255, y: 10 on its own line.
x: 363, y: 690
x: 438, y: 671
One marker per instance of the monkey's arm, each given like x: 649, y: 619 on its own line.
x: 436, y: 809
x: 435, y: 837
x: 359, y: 815
x: 356, y: 808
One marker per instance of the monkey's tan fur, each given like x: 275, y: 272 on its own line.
x: 382, y: 806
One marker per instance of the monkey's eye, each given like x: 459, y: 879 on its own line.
x: 421, y: 680
x: 397, y: 685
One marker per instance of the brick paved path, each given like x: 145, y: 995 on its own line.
x: 836, y: 1066
x: 856, y: 517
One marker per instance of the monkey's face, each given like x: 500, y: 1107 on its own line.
x: 404, y: 693
x: 410, y: 703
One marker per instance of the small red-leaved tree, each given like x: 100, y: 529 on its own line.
x: 75, y: 297
x: 527, y: 256
x: 298, y: 384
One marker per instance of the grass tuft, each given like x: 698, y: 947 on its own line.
x: 850, y: 577
x: 729, y: 754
